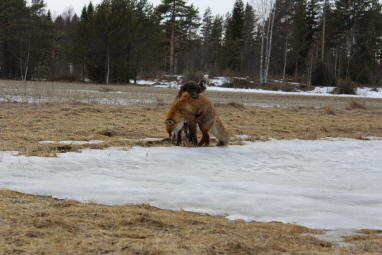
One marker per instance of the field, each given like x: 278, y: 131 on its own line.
x: 35, y: 112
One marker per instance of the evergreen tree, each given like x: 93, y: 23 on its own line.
x: 233, y: 41
x: 116, y: 40
x: 39, y: 42
x: 361, y: 20
x: 26, y: 34
x: 79, y: 48
x: 180, y: 21
x: 248, y: 52
x: 206, y: 39
x: 216, y: 41
x: 302, y: 35
x: 280, y: 59
x: 12, y: 30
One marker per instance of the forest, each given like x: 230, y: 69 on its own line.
x: 314, y: 42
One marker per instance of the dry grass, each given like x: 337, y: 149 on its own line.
x: 356, y: 104
x: 25, y: 125
x: 36, y: 225
x: 43, y: 225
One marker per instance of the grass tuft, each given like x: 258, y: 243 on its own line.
x: 329, y: 109
x: 356, y: 104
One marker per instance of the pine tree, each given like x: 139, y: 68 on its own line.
x: 116, y: 40
x: 26, y: 34
x: 38, y: 43
x: 180, y: 20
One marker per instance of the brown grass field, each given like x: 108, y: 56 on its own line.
x: 31, y: 224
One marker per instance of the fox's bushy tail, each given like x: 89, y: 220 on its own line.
x: 220, y: 132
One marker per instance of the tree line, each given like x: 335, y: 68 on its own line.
x: 316, y: 42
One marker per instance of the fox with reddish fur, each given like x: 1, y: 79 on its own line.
x: 194, y: 89
x: 199, y: 111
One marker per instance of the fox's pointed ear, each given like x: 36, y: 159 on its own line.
x: 169, y: 122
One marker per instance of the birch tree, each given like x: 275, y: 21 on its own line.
x: 266, y: 13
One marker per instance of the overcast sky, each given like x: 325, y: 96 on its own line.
x: 57, y: 7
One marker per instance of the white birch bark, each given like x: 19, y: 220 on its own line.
x: 269, y: 41
x: 262, y: 56
x: 264, y: 8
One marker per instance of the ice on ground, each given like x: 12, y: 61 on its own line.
x: 319, y: 184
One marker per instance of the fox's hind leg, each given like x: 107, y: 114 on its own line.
x: 205, y: 139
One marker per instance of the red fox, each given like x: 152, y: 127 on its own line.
x: 195, y: 111
x: 194, y: 89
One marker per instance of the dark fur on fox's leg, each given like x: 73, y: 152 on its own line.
x: 186, y: 130
x: 193, y: 137
x: 179, y: 138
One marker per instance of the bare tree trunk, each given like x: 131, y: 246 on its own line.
x: 310, y: 69
x: 323, y: 33
x: 107, y: 65
x: 269, y: 42
x: 172, y: 41
x: 262, y: 56
x: 285, y: 57
x: 24, y: 72
x: 83, y: 68
x: 21, y: 69
x: 267, y: 12
x: 27, y: 64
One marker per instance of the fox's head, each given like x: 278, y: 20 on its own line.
x: 173, y: 127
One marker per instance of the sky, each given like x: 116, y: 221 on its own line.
x: 217, y: 6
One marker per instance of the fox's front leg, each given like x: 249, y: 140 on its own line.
x: 179, y: 138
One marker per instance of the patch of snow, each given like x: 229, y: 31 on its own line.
x: 319, y: 184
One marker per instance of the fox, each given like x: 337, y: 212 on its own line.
x: 194, y: 89
x: 199, y: 111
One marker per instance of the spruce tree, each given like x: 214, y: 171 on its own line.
x: 206, y: 39
x: 248, y: 51
x: 13, y: 15
x: 233, y: 41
